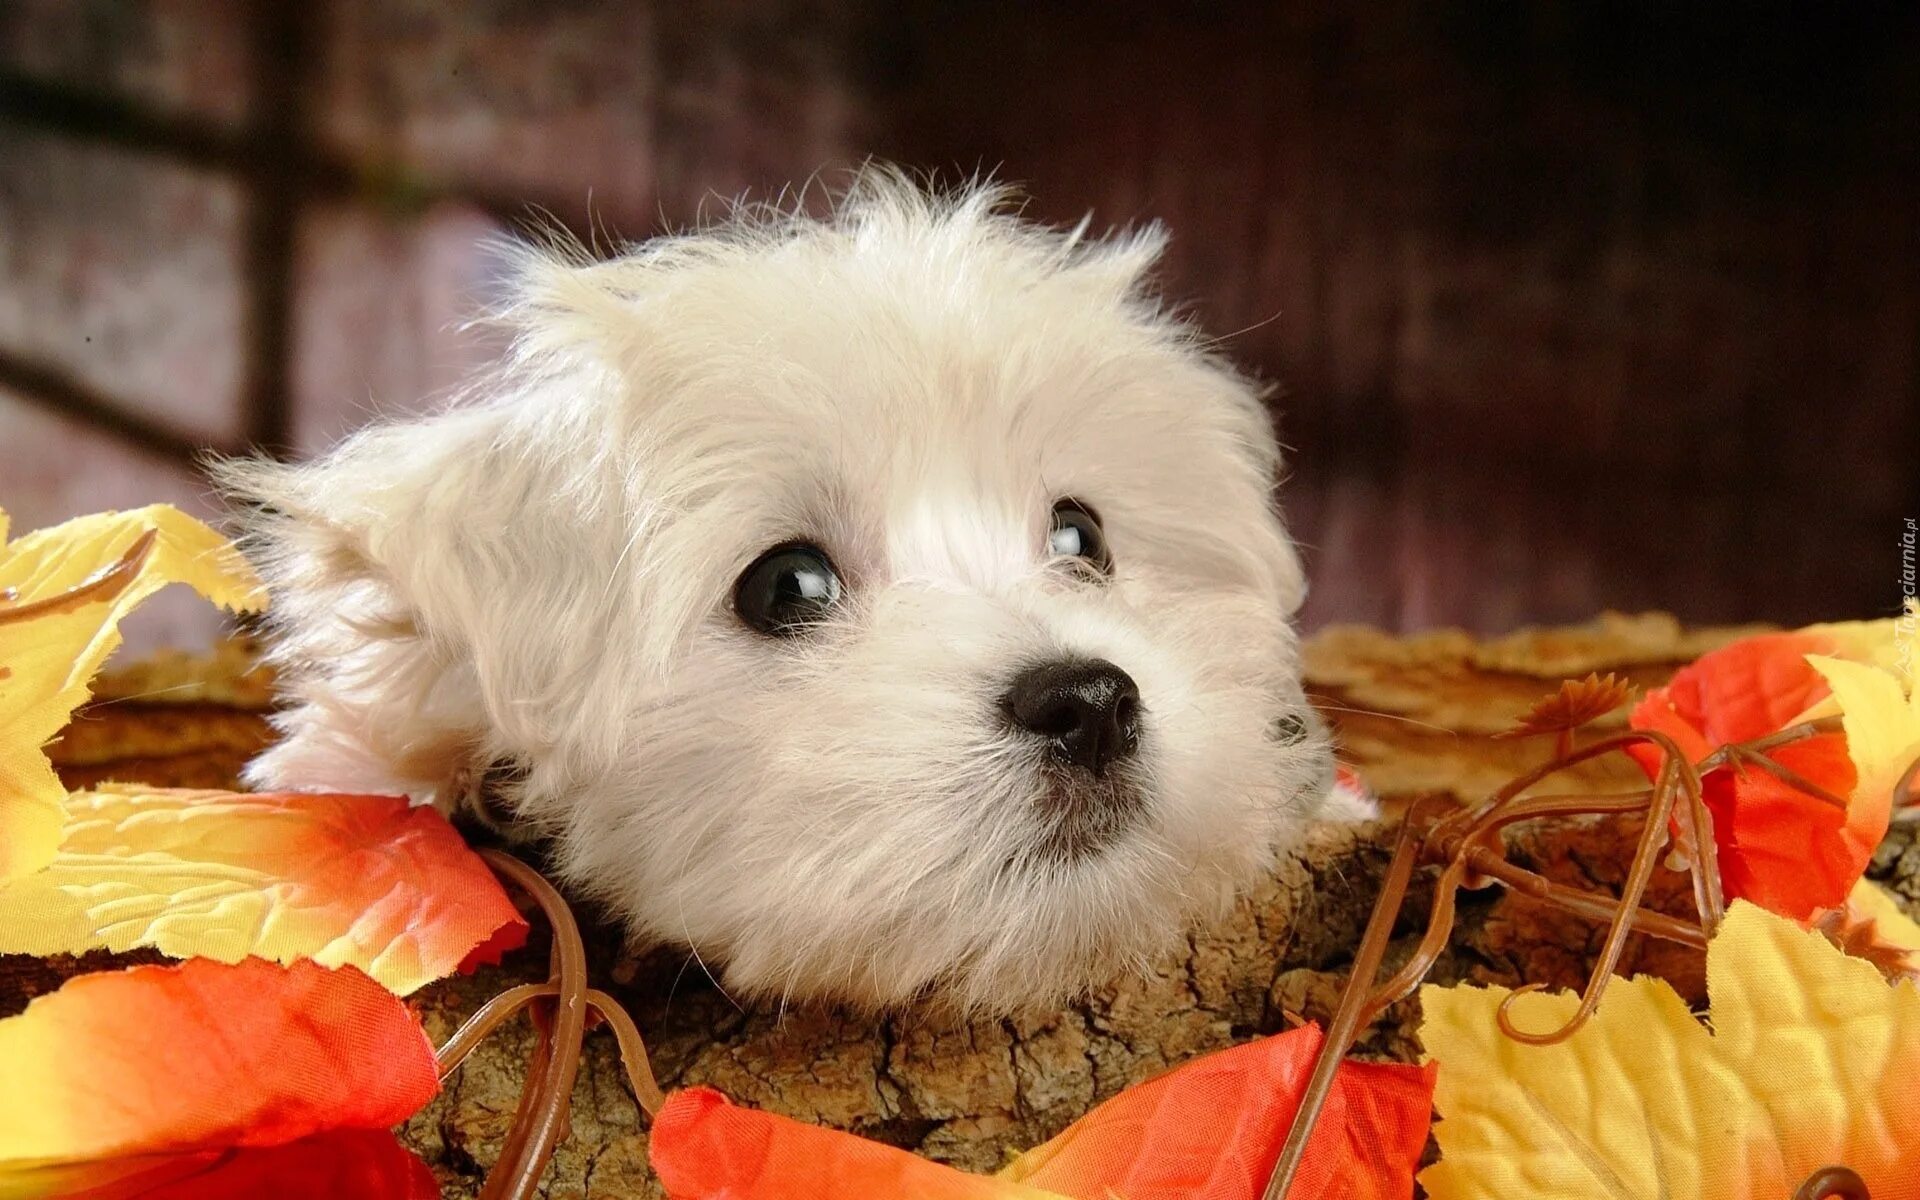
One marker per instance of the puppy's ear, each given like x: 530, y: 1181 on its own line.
x: 430, y: 597
x: 1288, y: 576
x: 1118, y: 269
x: 1119, y: 265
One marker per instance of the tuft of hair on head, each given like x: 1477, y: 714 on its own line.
x: 565, y: 304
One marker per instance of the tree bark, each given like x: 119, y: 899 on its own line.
x: 1415, y: 715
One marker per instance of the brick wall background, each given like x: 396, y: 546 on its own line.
x: 1573, y: 304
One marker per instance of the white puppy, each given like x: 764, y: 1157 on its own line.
x: 879, y: 605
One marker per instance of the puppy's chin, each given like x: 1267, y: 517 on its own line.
x: 1079, y: 818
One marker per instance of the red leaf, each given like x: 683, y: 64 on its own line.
x: 345, y: 1164
x: 1788, y: 851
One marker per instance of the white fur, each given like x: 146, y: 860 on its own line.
x: 543, y: 574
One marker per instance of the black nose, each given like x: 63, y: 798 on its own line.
x: 1088, y: 709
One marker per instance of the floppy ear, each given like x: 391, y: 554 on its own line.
x: 1246, y: 482
x: 1120, y: 269
x: 1288, y: 574
x: 432, y: 603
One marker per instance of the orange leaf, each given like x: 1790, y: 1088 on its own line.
x: 367, y: 881
x: 1790, y: 852
x: 705, y: 1148
x: 205, y: 1056
x: 363, y: 1164
x: 1210, y: 1130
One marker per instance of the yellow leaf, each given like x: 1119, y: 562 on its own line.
x: 1872, y: 901
x: 364, y: 881
x: 1881, y: 719
x: 1876, y: 643
x: 1810, y: 1062
x: 62, y: 594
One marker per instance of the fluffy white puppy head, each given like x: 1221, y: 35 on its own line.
x: 878, y: 605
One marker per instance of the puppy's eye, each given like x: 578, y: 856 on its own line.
x: 787, y: 589
x: 1076, y: 534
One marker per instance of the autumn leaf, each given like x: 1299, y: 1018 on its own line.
x: 1210, y: 1130
x: 366, y: 881
x: 1787, y: 850
x: 705, y: 1148
x: 1877, y: 643
x: 63, y: 592
x: 1810, y: 1061
x: 363, y: 1164
x: 1881, y: 717
x: 203, y: 1056
x: 1577, y: 703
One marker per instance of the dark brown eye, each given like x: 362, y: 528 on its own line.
x: 1076, y: 534
x: 787, y: 589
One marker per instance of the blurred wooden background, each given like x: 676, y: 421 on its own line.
x: 1573, y: 305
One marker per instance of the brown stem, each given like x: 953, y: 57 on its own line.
x: 1586, y: 904
x: 1903, y: 791
x: 1427, y: 952
x: 1787, y: 775
x: 491, y: 1015
x: 1833, y: 1183
x: 505, y: 1006
x: 1556, y: 765
x: 1646, y: 856
x: 1773, y: 741
x: 1477, y: 843
x: 1555, y: 803
x: 1347, y: 1017
x: 1709, y: 900
x: 543, y: 1101
x: 633, y: 1051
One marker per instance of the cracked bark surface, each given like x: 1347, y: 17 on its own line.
x: 1415, y: 715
